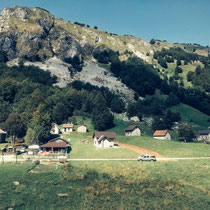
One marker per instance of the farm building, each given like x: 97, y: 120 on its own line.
x: 55, y: 129
x: 204, y: 135
x: 2, y: 136
x: 103, y: 139
x: 56, y: 145
x: 67, y: 128
x: 162, y: 134
x: 133, y: 130
x: 82, y: 129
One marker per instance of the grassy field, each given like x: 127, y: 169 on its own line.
x: 193, y: 117
x: 82, y: 147
x: 107, y: 185
x: 168, y: 148
x: 82, y: 144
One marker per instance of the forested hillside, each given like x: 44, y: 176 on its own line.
x: 161, y: 75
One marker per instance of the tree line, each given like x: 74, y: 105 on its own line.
x: 30, y: 103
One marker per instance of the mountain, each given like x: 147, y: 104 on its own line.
x: 35, y: 35
x: 98, y: 74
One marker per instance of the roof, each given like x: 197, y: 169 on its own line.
x: 160, y: 132
x: 204, y: 132
x: 19, y: 143
x: 56, y: 143
x: 56, y: 125
x: 68, y: 125
x: 82, y: 126
x: 1, y: 131
x: 107, y: 134
x: 131, y: 127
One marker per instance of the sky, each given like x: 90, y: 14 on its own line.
x: 176, y: 21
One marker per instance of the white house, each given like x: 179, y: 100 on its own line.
x: 133, y: 130
x: 162, y: 134
x: 103, y: 139
x: 55, y: 129
x: 67, y: 128
x: 204, y: 135
x: 82, y: 129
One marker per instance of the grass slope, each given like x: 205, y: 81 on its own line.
x: 107, y: 185
x: 168, y: 148
x: 194, y: 117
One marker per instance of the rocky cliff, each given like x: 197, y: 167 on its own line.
x: 43, y: 40
x: 35, y: 34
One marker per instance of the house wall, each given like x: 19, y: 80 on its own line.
x: 106, y: 143
x: 67, y: 130
x: 103, y: 144
x: 204, y: 137
x: 82, y: 129
x: 135, y: 132
x: 166, y: 137
x: 55, y: 130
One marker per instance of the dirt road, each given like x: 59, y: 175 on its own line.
x: 139, y: 150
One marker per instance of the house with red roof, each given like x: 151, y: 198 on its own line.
x: 162, y: 134
x: 133, y: 130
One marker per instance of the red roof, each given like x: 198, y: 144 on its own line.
x: 19, y: 143
x: 160, y: 132
x: 56, y: 143
x: 107, y: 134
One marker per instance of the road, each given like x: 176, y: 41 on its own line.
x: 11, y: 158
x: 130, y: 159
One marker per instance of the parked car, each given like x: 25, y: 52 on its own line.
x: 146, y: 158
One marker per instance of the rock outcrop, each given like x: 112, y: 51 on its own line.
x: 32, y: 34
x: 35, y: 34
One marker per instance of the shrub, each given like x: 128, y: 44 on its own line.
x: 163, y: 63
x: 152, y: 41
x: 178, y: 70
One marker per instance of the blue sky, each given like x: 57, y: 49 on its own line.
x: 183, y: 21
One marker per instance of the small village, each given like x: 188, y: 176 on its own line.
x: 61, y: 145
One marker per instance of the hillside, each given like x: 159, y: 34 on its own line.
x: 36, y: 35
x: 95, y: 74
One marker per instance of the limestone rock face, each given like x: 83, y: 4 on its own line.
x: 36, y: 35
x: 32, y: 34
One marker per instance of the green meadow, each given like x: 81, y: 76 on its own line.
x: 107, y: 185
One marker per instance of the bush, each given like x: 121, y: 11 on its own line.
x: 163, y: 63
x: 178, y: 70
x: 152, y: 41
